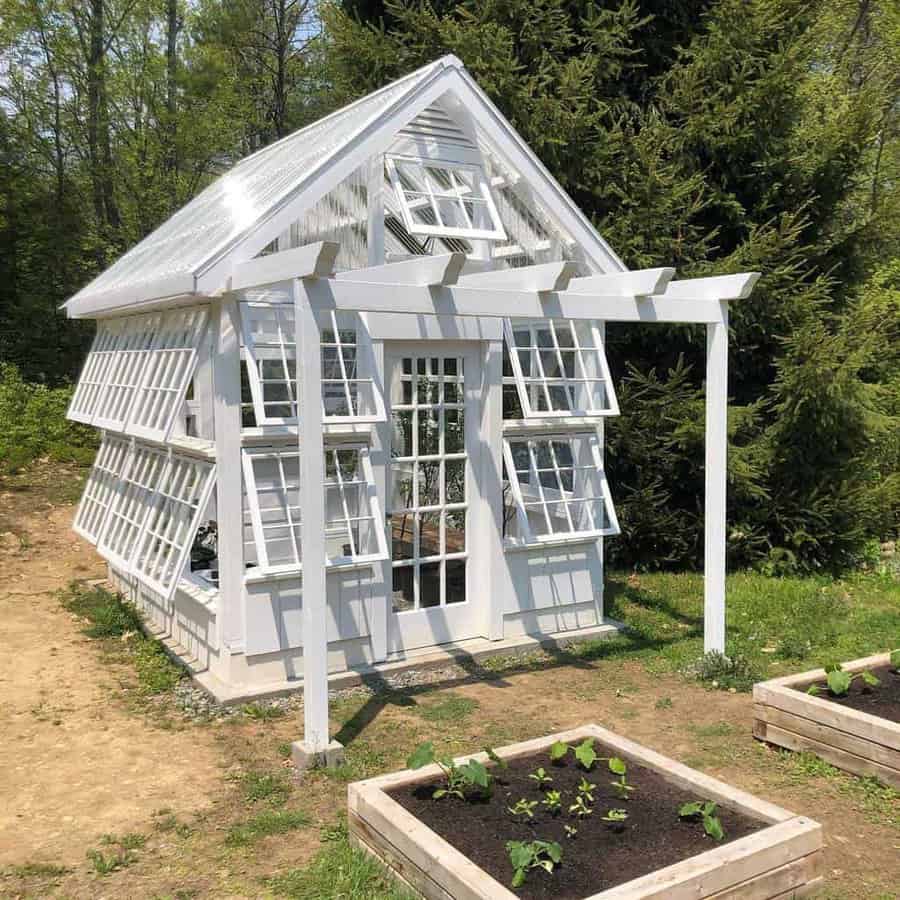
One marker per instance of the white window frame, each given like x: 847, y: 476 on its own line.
x: 294, y: 523
x: 101, y: 488
x: 144, y: 484
x: 483, y: 195
x: 286, y: 350
x: 91, y: 381
x: 527, y: 536
x: 540, y: 381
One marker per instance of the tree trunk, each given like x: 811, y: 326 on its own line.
x: 172, y: 28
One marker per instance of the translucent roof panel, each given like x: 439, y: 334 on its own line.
x: 237, y: 201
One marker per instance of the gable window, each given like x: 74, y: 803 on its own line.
x: 270, y: 363
x: 442, y: 199
x: 556, y: 368
x: 353, y: 532
x: 559, y: 488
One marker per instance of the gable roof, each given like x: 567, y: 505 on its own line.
x: 190, y: 252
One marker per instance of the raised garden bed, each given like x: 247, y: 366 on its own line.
x: 858, y: 732
x: 457, y: 848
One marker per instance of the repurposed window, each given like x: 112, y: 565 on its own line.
x: 556, y: 368
x: 558, y: 487
x: 442, y: 199
x: 142, y: 506
x: 100, y: 488
x: 353, y: 532
x: 270, y: 357
x: 137, y: 373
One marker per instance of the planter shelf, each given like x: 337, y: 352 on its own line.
x: 782, y: 859
x: 855, y: 741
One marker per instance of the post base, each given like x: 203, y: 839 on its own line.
x: 305, y: 756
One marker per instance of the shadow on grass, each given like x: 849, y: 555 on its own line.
x: 494, y: 671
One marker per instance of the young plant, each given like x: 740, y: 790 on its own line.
x: 541, y: 777
x: 571, y: 830
x: 553, y: 801
x: 585, y: 754
x: 471, y: 776
x: 558, y: 751
x: 617, y: 767
x: 532, y: 855
x: 523, y: 807
x: 839, y: 681
x: 586, y: 790
x: 615, y: 818
x: 580, y: 808
x: 705, y: 810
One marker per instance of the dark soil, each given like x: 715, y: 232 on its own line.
x: 883, y: 700
x: 598, y: 857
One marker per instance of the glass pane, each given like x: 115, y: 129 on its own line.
x: 455, y: 431
x: 455, y: 481
x: 430, y: 534
x: 429, y: 436
x: 429, y: 483
x: 401, y: 486
x: 430, y: 585
x: 403, y: 590
x: 402, y: 536
x: 455, y: 531
x: 401, y: 434
x: 456, y: 580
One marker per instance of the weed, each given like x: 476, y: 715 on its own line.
x: 266, y: 824
x: 532, y: 855
x: 447, y: 708
x: 725, y: 672
x: 120, y: 856
x: 336, y: 832
x: 338, y: 870
x: 156, y: 671
x: 166, y: 821
x: 263, y: 712
x: 706, y: 811
x: 284, y: 749
x: 664, y: 703
x: 40, y: 870
x: 265, y: 786
x: 108, y: 614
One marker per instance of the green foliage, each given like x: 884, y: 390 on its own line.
x: 585, y: 753
x: 706, y: 812
x: 268, y: 786
x: 33, y: 423
x: 726, y: 672
x: 839, y: 681
x: 108, y: 614
x: 615, y: 818
x: 267, y: 823
x: 523, y: 807
x: 540, y: 776
x: 553, y: 801
x: 461, y: 780
x: 558, y: 751
x: 532, y: 855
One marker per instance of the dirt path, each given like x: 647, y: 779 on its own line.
x: 76, y: 763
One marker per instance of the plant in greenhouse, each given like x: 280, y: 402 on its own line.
x: 706, y: 811
x: 523, y: 807
x: 470, y: 777
x: 540, y: 776
x: 553, y: 801
x: 526, y: 856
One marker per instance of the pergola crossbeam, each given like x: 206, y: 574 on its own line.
x: 637, y: 283
x: 553, y: 276
x: 423, y: 271
x: 716, y: 287
x: 311, y: 261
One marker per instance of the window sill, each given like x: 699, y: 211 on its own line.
x: 514, y: 546
x: 256, y: 575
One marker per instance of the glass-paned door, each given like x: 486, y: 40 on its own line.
x: 430, y: 493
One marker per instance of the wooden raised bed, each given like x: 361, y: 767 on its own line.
x: 855, y: 741
x: 782, y: 859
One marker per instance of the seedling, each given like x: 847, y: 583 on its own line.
x: 523, y: 807
x: 471, y: 776
x: 580, y: 808
x: 553, y: 801
x: 615, y: 818
x: 585, y: 753
x: 540, y: 776
x: 558, y: 751
x: 586, y: 790
x: 570, y: 830
x: 617, y: 767
x: 839, y: 681
x: 705, y: 810
x: 498, y: 761
x: 532, y: 855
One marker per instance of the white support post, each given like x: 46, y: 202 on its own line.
x: 315, y: 748
x: 716, y: 478
x: 375, y: 208
x: 491, y: 510
x: 226, y: 367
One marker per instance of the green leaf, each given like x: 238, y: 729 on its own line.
x: 492, y: 756
x: 518, y: 878
x: 440, y: 792
x: 838, y: 682
x: 475, y: 773
x: 694, y: 808
x: 870, y: 679
x: 617, y: 766
x: 421, y: 756
x: 713, y: 827
x: 585, y: 753
x: 709, y: 808
x: 520, y: 854
x: 813, y: 689
x: 558, y: 750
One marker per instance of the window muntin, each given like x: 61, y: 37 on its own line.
x: 353, y: 532
x: 269, y: 358
x: 137, y: 374
x: 100, y: 488
x: 444, y: 199
x: 427, y: 498
x: 559, y: 487
x: 142, y: 506
x: 556, y: 368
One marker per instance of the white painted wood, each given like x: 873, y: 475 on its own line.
x: 420, y: 270
x: 311, y: 261
x: 714, y: 530
x: 230, y: 623
x: 636, y: 283
x: 162, y: 289
x: 459, y: 300
x: 716, y: 287
x: 490, y: 486
x: 542, y: 277
x: 375, y: 209
x: 312, y: 533
x: 380, y: 456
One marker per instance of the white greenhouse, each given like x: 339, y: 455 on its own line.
x: 352, y: 398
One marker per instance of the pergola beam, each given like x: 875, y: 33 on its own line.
x: 423, y: 271
x: 311, y: 261
x: 636, y: 283
x: 539, y: 278
x: 716, y: 287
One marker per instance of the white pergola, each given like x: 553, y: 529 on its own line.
x: 435, y: 285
